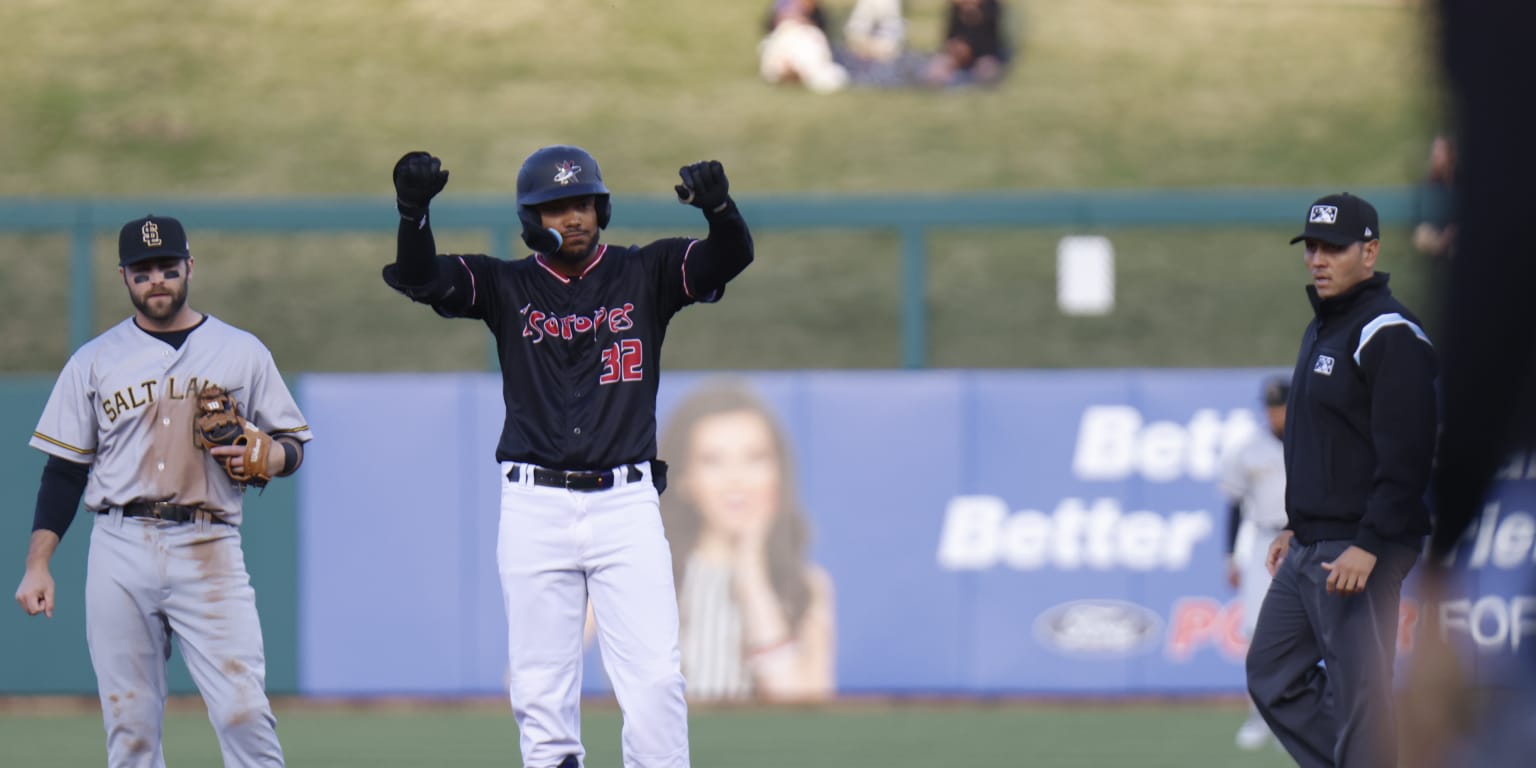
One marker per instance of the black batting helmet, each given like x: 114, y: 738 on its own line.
x: 558, y: 172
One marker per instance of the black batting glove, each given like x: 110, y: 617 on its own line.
x: 704, y: 186
x: 418, y: 177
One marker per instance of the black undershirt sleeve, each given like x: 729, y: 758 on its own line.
x: 58, y: 495
x: 415, y: 253
x: 723, y: 254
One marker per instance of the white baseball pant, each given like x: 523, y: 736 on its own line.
x: 555, y: 549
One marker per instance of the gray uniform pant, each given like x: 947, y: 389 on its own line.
x: 1338, y: 714
x: 147, y: 582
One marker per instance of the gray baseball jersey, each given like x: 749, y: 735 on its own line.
x: 121, y: 405
x: 1254, y: 474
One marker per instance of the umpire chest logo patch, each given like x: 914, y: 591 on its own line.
x: 1324, y: 365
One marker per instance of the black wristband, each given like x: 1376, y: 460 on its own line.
x: 291, y: 457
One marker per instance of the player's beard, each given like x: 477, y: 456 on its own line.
x: 566, y: 255
x: 163, y: 311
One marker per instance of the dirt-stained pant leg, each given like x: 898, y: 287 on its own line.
x: 635, y: 604
x: 538, y: 546
x: 212, y: 612
x: 128, y: 637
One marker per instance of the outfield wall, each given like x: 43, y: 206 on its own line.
x: 984, y: 532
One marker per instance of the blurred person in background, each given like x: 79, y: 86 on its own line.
x: 976, y: 49
x: 1253, y: 480
x: 1359, y: 442
x: 876, y: 30
x: 1434, y: 231
x: 877, y: 53
x: 756, y: 616
x: 1488, y: 391
x: 797, y: 49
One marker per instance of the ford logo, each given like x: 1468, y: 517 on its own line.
x: 1098, y: 627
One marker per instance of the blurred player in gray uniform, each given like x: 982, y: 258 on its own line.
x: 1253, y: 480
x: 165, y: 559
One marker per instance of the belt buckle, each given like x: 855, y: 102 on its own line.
x: 588, y: 480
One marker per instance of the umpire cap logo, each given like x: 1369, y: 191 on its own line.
x: 1323, y: 214
x: 565, y: 172
x: 151, y: 233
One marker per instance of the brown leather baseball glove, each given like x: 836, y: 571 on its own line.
x: 218, y: 422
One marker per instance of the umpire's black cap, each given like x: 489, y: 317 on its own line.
x: 1276, y: 390
x: 1340, y: 219
x: 151, y: 237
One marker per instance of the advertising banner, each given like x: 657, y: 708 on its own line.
x: 933, y: 532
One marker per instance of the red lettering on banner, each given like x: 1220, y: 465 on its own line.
x: 1198, y: 622
x: 1407, y: 624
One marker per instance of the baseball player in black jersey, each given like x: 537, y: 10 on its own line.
x: 579, y: 326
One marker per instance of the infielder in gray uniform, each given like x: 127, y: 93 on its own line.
x: 165, y: 559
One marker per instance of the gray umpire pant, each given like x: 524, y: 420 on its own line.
x: 1339, y: 714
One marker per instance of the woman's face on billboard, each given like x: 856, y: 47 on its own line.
x: 733, y: 472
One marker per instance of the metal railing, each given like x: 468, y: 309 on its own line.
x: 911, y: 218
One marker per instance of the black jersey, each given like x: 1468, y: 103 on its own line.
x: 581, y: 356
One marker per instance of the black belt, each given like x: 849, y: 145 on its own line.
x: 577, y: 480
x: 171, y: 513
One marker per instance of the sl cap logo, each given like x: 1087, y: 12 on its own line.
x: 1324, y: 365
x: 1323, y: 214
x: 565, y: 172
x: 151, y: 233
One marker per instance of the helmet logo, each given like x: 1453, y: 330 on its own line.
x: 565, y: 172
x: 151, y: 233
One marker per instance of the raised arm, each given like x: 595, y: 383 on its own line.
x: 727, y: 250
x: 417, y: 270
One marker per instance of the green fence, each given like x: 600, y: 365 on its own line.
x: 914, y: 220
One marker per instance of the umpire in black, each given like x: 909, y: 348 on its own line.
x: 1359, y: 442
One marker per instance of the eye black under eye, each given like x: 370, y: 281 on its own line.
x: 171, y: 274
x: 140, y: 279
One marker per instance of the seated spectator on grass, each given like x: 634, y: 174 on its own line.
x: 876, y: 52
x: 975, y: 47
x: 797, y: 50
x: 876, y: 30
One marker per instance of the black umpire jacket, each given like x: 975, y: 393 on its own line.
x: 1361, y: 422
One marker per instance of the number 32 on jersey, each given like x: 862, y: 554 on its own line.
x: 622, y: 361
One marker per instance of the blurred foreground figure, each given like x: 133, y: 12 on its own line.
x: 1488, y: 339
